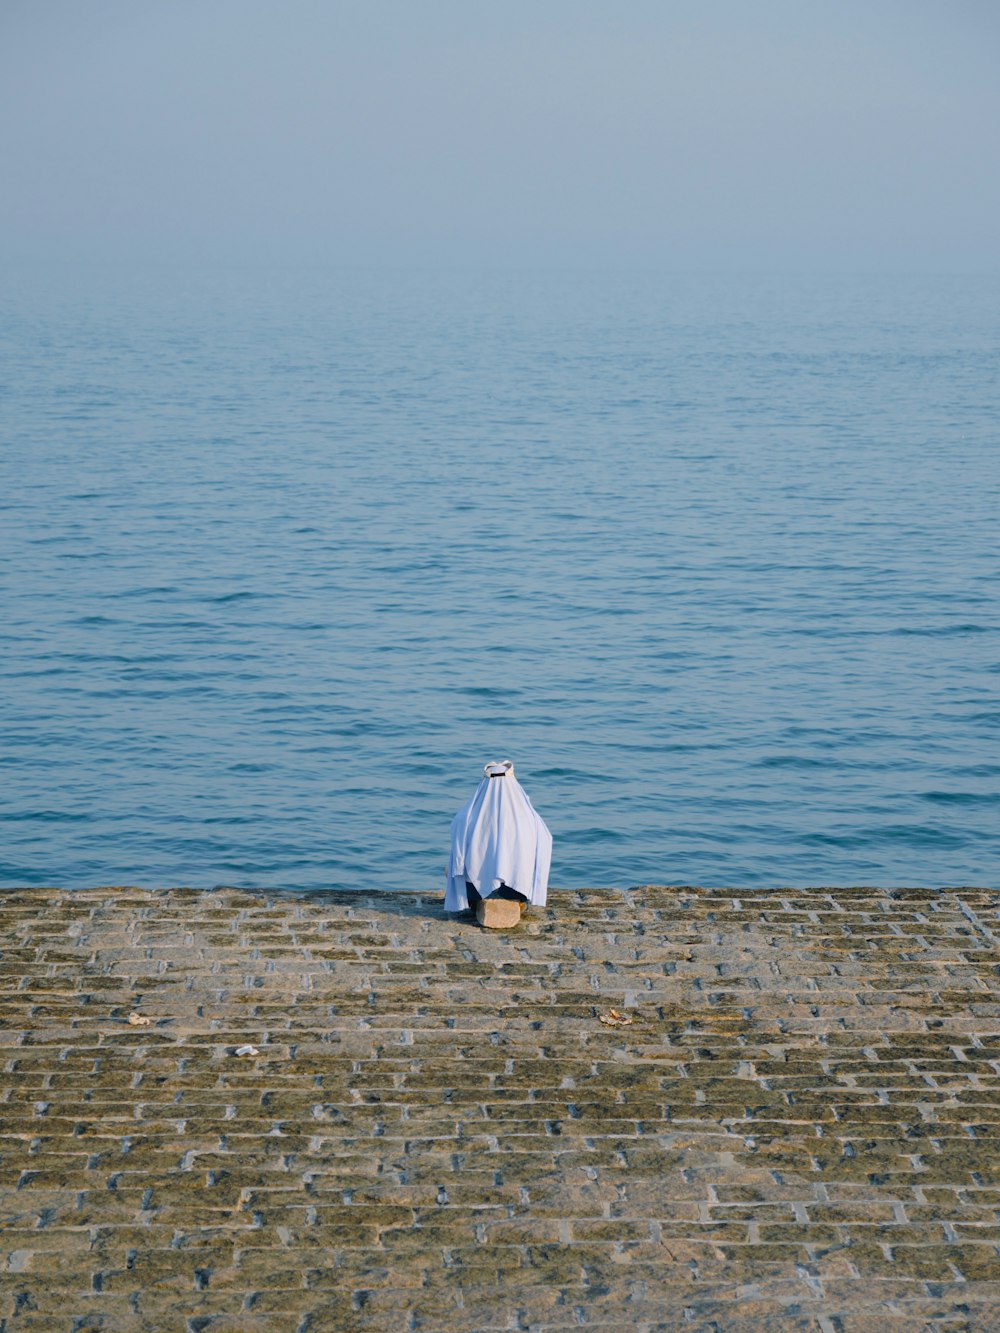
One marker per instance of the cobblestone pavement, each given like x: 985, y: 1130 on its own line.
x: 673, y: 1108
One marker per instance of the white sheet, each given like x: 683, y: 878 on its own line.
x: 498, y: 838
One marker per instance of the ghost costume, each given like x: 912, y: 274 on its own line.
x: 498, y: 839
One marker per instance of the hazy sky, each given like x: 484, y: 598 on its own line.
x: 675, y: 133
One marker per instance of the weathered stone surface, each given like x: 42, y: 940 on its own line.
x: 498, y: 913
x: 666, y: 1109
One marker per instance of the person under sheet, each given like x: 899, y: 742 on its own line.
x: 499, y: 844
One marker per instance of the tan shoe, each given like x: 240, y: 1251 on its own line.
x: 499, y: 913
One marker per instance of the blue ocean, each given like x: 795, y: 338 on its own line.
x: 288, y: 555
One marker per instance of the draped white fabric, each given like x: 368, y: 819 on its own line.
x: 498, y: 838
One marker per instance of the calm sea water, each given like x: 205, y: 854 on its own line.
x: 286, y: 557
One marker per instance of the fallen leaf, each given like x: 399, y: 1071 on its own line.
x: 139, y: 1021
x: 613, y: 1019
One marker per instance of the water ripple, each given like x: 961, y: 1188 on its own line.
x: 283, y: 561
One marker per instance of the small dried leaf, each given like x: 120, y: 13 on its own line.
x: 613, y: 1019
x: 139, y: 1021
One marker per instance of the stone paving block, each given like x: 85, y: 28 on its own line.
x: 797, y: 1128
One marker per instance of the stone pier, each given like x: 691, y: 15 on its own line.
x: 670, y: 1108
